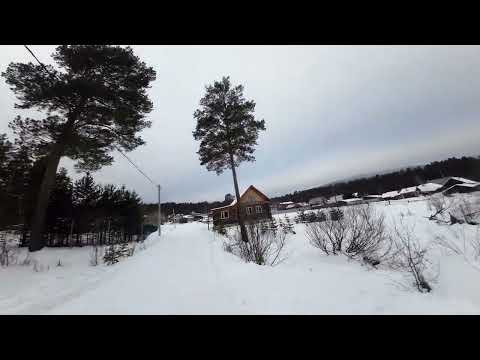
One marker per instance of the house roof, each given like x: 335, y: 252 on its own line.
x: 407, y: 190
x: 464, y: 180
x: 429, y: 187
x: 390, y: 194
x: 469, y: 185
x: 444, y: 180
x: 251, y: 187
x: 352, y: 200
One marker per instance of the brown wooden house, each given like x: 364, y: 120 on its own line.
x: 254, y: 205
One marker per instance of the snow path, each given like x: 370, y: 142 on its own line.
x: 187, y: 272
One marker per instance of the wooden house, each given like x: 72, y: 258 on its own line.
x: 254, y: 205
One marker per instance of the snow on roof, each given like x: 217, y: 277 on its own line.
x: 466, y: 181
x: 390, y: 194
x: 351, y: 200
x: 286, y: 203
x: 407, y: 190
x: 429, y: 187
x: 463, y: 185
x: 372, y: 196
x: 235, y: 200
x: 221, y: 207
x: 444, y: 180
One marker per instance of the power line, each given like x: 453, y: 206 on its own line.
x: 121, y: 152
x: 131, y: 162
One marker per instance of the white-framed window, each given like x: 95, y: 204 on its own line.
x: 249, y: 210
x: 224, y: 214
x: 258, y: 208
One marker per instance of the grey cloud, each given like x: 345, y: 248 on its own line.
x: 331, y: 112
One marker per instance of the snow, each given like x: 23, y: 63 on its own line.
x: 390, y: 194
x: 186, y: 271
x: 407, y: 190
x: 429, y: 187
x: 463, y: 180
x: 351, y: 201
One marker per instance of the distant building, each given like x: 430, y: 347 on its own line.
x: 372, y: 198
x: 408, y: 192
x: 449, y: 181
x: 429, y: 188
x: 462, y: 188
x: 334, y: 199
x: 319, y: 200
x: 352, y: 201
x: 285, y: 205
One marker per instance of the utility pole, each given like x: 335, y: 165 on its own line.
x: 159, y: 213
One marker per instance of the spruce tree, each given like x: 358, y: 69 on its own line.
x: 227, y: 131
x: 123, y: 249
x: 95, y: 100
x: 111, y: 255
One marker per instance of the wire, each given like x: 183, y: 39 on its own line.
x: 131, y: 162
x: 121, y: 152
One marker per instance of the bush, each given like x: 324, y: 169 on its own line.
x: 357, y: 232
x: 411, y: 257
x: 265, y: 245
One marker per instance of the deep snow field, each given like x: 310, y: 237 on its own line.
x: 186, y: 271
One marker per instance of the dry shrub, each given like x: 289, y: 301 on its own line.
x: 265, y: 243
x: 411, y: 258
x: 359, y: 233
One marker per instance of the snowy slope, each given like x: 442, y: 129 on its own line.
x: 188, y: 272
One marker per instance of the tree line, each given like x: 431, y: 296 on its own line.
x: 79, y: 212
x: 468, y: 167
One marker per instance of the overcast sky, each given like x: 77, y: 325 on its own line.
x: 331, y: 112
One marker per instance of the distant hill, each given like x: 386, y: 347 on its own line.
x: 468, y: 167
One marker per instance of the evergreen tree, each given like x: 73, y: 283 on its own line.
x: 95, y: 101
x: 123, y: 249
x: 273, y: 226
x: 227, y: 131
x: 111, y: 255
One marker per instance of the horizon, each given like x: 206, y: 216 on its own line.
x: 352, y: 178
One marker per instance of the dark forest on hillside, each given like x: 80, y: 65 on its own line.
x: 468, y: 167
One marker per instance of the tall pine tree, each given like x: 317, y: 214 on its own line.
x: 227, y: 131
x: 95, y: 100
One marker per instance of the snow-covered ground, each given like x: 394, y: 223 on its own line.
x: 187, y: 272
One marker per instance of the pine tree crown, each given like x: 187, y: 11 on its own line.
x: 226, y: 127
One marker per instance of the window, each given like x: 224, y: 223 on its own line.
x: 249, y: 210
x: 259, y: 209
x: 224, y: 215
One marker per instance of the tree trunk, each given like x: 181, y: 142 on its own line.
x: 48, y: 181
x: 243, y: 230
x: 36, y: 238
